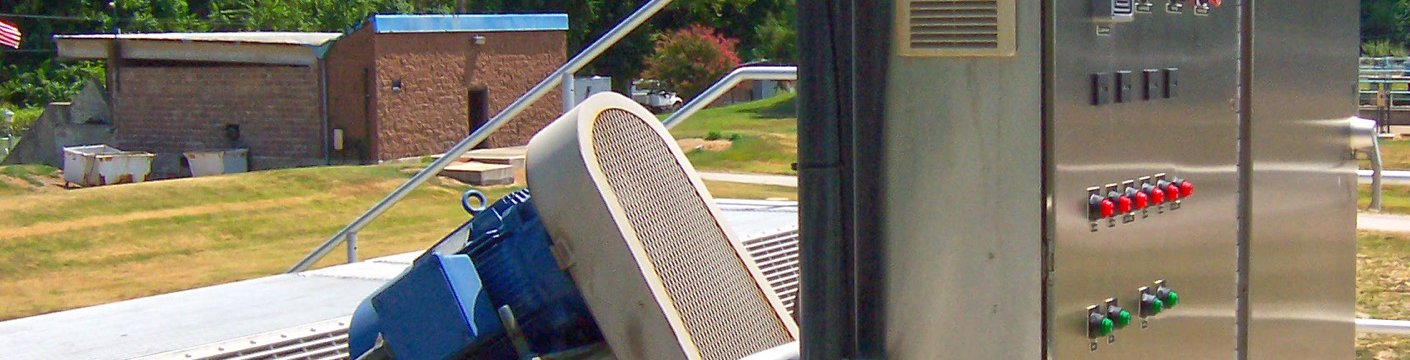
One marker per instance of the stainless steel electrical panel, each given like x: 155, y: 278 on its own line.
x: 1086, y: 197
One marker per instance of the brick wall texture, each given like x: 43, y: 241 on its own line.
x: 171, y: 109
x: 437, y: 73
x: 349, y: 62
x: 168, y: 109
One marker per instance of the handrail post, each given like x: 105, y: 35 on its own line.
x: 534, y: 94
x: 351, y: 244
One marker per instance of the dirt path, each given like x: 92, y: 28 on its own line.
x: 99, y: 221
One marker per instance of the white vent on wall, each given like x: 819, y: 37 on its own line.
x: 956, y: 28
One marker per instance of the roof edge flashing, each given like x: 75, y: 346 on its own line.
x: 391, y: 24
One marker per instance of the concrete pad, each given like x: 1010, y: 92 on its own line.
x: 478, y: 173
x: 517, y: 161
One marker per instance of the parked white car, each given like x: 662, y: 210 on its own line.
x: 648, y: 93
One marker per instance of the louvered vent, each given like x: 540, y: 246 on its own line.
x: 325, y: 340
x: 956, y: 27
x: 777, y: 256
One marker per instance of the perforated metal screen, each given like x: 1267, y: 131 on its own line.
x: 723, y: 308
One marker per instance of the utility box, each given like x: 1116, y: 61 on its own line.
x: 97, y: 165
x: 217, y: 162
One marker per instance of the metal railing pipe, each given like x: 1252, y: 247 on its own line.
x: 729, y: 82
x: 538, y: 91
x: 1365, y: 137
x: 1385, y: 327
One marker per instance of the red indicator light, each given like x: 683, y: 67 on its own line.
x: 1157, y: 197
x: 1123, y: 204
x: 1186, y: 189
x: 1215, y: 3
x: 1141, y: 200
x: 1172, y: 192
x: 1107, y: 208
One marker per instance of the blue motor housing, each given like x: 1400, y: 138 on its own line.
x: 445, y: 304
x: 512, y: 251
x: 437, y: 310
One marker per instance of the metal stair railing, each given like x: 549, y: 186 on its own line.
x: 348, y: 234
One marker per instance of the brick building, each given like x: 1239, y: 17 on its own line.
x: 395, y: 86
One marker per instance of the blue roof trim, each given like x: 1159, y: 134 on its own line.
x: 383, y: 24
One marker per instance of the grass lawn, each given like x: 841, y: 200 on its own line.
x: 24, y: 179
x: 1383, y: 291
x: 65, y: 249
x: 729, y: 190
x: 1395, y: 199
x: 766, y: 141
x: 62, y: 249
x: 1395, y: 155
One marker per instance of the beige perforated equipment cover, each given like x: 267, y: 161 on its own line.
x: 641, y: 236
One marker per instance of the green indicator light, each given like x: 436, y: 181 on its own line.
x: 1157, y: 306
x: 1172, y: 299
x: 1106, y: 327
x: 1123, y: 319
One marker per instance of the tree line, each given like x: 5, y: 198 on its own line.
x: 32, y: 76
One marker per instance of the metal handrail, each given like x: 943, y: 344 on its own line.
x: 1387, y: 327
x: 725, y: 84
x: 349, y: 233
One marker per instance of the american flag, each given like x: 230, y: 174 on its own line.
x: 9, y: 35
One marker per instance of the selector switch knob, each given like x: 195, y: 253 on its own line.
x: 1150, y: 305
x: 1123, y: 203
x: 1119, y: 317
x: 1167, y: 295
x: 1099, y: 325
x: 1101, y: 207
x: 1156, y: 195
x: 1140, y: 200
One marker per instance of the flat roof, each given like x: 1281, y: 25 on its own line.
x: 385, y: 24
x: 280, y: 48
x: 286, y: 38
x: 185, y: 323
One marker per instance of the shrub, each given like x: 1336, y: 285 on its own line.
x: 690, y: 59
x: 1380, y: 48
x: 50, y: 82
x: 714, y: 135
x: 24, y: 118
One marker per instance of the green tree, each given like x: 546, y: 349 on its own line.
x: 1385, y: 20
x: 777, y: 38
x: 764, y: 27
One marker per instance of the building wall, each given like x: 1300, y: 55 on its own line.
x: 350, y: 69
x: 169, y: 109
x: 437, y: 72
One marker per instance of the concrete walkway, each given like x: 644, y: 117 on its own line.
x: 759, y: 179
x: 1383, y: 222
